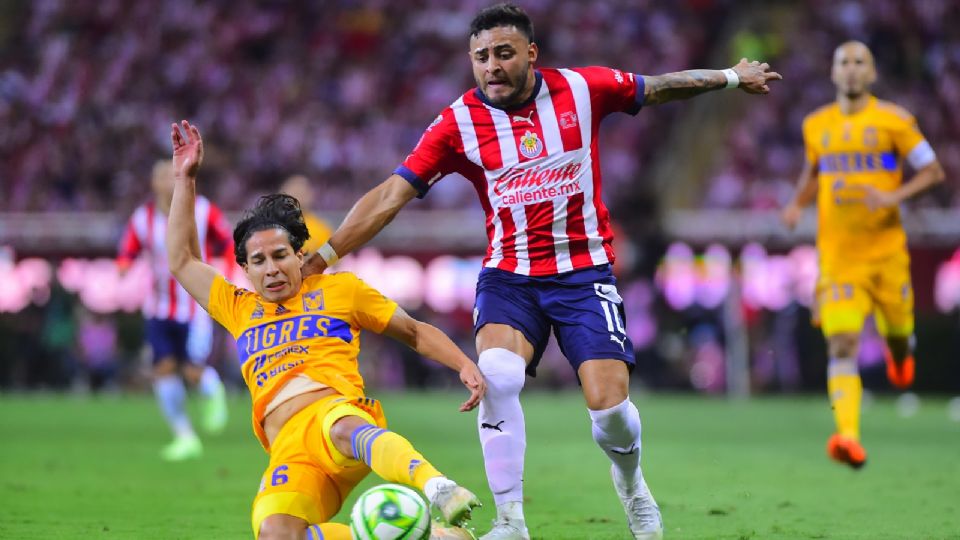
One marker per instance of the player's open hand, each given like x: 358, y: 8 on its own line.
x: 755, y: 77
x: 471, y: 378
x: 791, y: 215
x: 187, y: 149
x: 876, y: 199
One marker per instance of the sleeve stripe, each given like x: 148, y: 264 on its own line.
x: 639, y: 97
x: 415, y: 181
x: 921, y: 155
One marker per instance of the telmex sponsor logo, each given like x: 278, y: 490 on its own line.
x: 535, y: 177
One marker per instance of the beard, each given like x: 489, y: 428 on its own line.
x: 517, y: 88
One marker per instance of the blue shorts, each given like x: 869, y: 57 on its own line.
x: 582, y: 307
x: 183, y: 341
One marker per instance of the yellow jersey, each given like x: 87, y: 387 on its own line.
x: 315, y: 333
x: 851, y: 151
x: 319, y: 232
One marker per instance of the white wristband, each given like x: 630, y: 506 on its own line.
x: 327, y: 253
x: 733, y: 80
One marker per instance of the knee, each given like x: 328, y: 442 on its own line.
x: 843, y: 345
x: 281, y: 527
x: 165, y: 366
x: 504, y: 371
x: 341, y: 433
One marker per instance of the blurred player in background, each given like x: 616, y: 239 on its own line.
x: 179, y: 333
x: 298, y: 187
x: 298, y: 341
x: 855, y: 151
x: 527, y: 139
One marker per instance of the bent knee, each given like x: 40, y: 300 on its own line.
x: 843, y: 345
x: 282, y: 527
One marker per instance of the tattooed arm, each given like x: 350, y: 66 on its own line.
x: 753, y: 77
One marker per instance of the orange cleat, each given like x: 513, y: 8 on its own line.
x: 900, y: 375
x: 846, y: 450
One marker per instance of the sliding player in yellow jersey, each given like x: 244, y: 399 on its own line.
x: 856, y: 148
x: 298, y: 341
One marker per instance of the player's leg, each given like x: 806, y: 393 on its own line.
x: 358, y: 435
x: 894, y: 294
x: 166, y: 338
x: 512, y: 332
x: 588, y: 320
x: 301, y: 488
x: 287, y: 527
x: 844, y: 305
x: 204, y: 377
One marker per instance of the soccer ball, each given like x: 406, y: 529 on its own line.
x: 390, y: 512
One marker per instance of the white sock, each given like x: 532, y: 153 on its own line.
x: 209, y: 385
x: 503, y: 436
x: 617, y: 432
x: 434, y: 484
x: 172, y: 397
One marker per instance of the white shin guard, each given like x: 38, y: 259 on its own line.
x: 500, y: 422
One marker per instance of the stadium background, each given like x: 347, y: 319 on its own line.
x: 717, y: 291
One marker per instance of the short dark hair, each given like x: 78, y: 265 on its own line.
x: 274, y: 211
x: 505, y: 14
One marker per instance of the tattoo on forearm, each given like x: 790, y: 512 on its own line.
x: 681, y: 85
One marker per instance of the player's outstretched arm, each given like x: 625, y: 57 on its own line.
x: 368, y: 217
x: 431, y: 343
x: 183, y: 245
x: 752, y: 77
x: 806, y: 193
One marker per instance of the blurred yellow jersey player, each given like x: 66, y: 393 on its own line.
x: 298, y: 341
x: 856, y: 150
x: 298, y: 187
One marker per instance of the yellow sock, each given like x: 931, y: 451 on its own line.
x: 391, y: 456
x: 846, y: 391
x: 328, y: 531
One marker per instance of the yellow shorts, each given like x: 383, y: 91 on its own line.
x: 307, y: 476
x: 846, y: 295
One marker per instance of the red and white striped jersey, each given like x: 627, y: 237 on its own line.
x: 145, y: 233
x: 536, y: 167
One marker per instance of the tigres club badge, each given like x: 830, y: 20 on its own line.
x: 530, y: 145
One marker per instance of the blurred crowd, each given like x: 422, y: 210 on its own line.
x: 916, y: 46
x: 337, y: 90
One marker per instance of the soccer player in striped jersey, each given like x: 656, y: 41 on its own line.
x: 856, y: 148
x: 179, y: 333
x: 527, y: 138
x: 298, y: 341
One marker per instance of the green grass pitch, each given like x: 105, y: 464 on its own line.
x: 73, y: 467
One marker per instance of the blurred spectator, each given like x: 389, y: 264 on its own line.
x: 97, y: 345
x: 335, y: 90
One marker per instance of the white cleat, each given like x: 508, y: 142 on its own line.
x: 455, y: 504
x: 643, y: 514
x: 507, y: 529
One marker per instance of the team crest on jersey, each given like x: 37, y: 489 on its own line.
x: 313, y: 301
x: 870, y: 137
x: 568, y: 119
x: 530, y: 145
x: 281, y: 310
x: 825, y: 139
x: 257, y: 312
